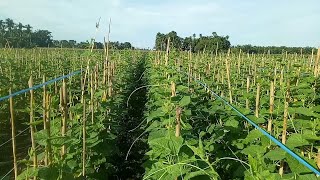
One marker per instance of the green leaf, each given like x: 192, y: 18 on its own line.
x: 232, y: 123
x: 296, y: 166
x: 254, y: 150
x: 186, y: 100
x: 311, y: 137
x: 41, y: 137
x: 276, y: 154
x: 296, y: 140
x: 316, y: 108
x: 256, y: 120
x: 72, y: 164
x: 191, y: 175
x: 253, y: 135
x: 307, y: 177
x: 35, y: 123
x: 27, y: 174
x: 301, y: 110
x: 48, y: 173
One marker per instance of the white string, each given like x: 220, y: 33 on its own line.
x: 15, y: 136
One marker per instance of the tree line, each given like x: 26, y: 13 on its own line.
x: 18, y: 35
x: 193, y: 43
x: 214, y: 42
x: 272, y: 49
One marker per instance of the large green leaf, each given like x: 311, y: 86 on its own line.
x: 254, y: 150
x: 302, y: 110
x: 253, y: 135
x: 296, y: 166
x: 275, y: 154
x: 296, y: 140
x: 232, y: 123
x: 186, y: 100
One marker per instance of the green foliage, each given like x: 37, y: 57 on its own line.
x: 203, y: 43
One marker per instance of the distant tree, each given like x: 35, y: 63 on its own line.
x: 42, y: 38
x: 248, y: 48
x: 56, y: 43
x: 83, y: 45
x: 64, y: 44
x: 127, y: 45
x: 18, y: 35
x: 72, y: 43
x: 160, y: 41
x: 208, y: 43
x: 99, y: 45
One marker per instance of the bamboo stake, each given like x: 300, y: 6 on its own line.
x: 178, y: 119
x: 64, y: 110
x: 248, y: 88
x: 173, y: 89
x: 55, y: 86
x: 84, y: 140
x: 32, y: 129
x: 257, y: 101
x: 316, y: 65
x: 167, y: 52
x: 285, y: 119
x: 311, y: 59
x: 48, y: 127
x: 239, y: 62
x: 44, y: 106
x: 318, y: 158
x: 275, y: 75
x: 189, y: 77
x: 92, y: 99
x: 13, y: 136
x: 271, y: 106
x: 281, y: 77
x: 228, y: 77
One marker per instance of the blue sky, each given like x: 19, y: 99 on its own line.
x: 257, y: 22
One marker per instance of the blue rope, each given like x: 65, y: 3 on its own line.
x: 40, y: 85
x: 276, y: 141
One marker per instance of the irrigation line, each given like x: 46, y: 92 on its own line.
x: 276, y: 141
x: 40, y: 85
x: 15, y: 136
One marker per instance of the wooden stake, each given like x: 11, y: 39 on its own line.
x: 48, y: 128
x: 316, y: 65
x: 84, y: 140
x: 32, y: 129
x: 92, y: 99
x: 311, y: 59
x: 285, y: 119
x: 271, y: 106
x: 318, y: 158
x: 257, y: 101
x: 248, y: 88
x: 13, y: 136
x: 167, y: 52
x: 178, y: 119
x: 173, y: 89
x: 281, y: 77
x: 64, y: 110
x: 228, y: 77
x: 239, y: 62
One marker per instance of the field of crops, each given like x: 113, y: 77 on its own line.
x: 158, y: 115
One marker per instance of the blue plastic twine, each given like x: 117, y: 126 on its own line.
x: 40, y: 85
